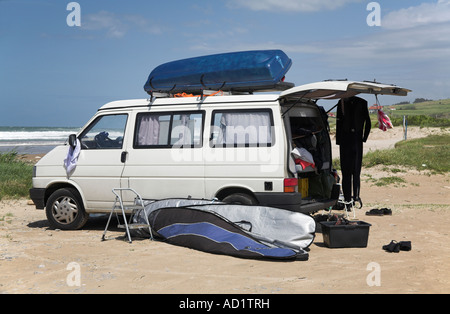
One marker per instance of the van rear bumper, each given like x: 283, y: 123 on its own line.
x: 38, y: 196
x: 293, y: 202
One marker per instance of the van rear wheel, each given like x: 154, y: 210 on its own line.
x: 240, y: 198
x: 65, y: 210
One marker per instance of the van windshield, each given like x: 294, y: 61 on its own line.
x: 106, y: 132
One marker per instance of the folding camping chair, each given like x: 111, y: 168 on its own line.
x: 118, y: 204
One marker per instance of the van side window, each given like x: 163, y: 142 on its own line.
x: 152, y: 130
x: 242, y: 128
x: 187, y: 130
x: 106, y: 132
x: 163, y: 130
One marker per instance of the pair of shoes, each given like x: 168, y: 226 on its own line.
x: 379, y: 212
x: 396, y: 247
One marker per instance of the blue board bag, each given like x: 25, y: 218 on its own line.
x: 209, y: 232
x: 244, y: 71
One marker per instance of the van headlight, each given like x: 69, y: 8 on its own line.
x: 34, y: 171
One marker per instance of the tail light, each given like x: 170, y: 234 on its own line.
x: 290, y: 185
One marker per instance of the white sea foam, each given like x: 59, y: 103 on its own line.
x: 28, y: 139
x: 34, y: 135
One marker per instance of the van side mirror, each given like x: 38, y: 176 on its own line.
x: 73, y: 140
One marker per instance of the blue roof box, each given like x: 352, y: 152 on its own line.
x: 245, y: 71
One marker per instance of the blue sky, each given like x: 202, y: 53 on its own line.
x: 52, y: 74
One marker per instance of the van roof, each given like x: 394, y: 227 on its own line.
x: 331, y: 89
x: 131, y: 103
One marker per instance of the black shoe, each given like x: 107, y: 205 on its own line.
x: 375, y: 212
x: 405, y: 245
x: 387, y: 211
x: 394, y: 246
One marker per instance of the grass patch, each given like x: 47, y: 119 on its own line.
x: 421, y: 121
x: 384, y: 181
x: 429, y: 153
x: 15, y: 176
x: 397, y: 181
x: 439, y: 109
x: 6, y: 218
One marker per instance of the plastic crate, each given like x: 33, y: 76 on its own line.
x: 345, y: 236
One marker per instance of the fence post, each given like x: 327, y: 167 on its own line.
x: 405, y: 128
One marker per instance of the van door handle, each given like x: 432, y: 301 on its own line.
x: 123, y: 157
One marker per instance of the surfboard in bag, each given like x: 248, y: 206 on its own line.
x: 245, y: 71
x: 210, y: 232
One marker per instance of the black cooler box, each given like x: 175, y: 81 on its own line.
x: 351, y: 235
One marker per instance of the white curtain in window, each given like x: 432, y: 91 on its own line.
x: 149, y: 130
x: 245, y: 128
x: 181, y: 134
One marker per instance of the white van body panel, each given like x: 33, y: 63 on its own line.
x: 158, y: 173
x: 201, y: 172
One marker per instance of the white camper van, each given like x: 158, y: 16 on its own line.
x: 237, y: 148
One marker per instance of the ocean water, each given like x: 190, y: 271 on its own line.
x: 33, y: 140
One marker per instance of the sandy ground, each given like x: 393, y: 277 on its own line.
x: 36, y: 259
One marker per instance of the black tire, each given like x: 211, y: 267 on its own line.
x: 65, y: 210
x: 240, y: 198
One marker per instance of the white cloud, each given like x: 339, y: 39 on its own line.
x: 424, y: 14
x: 116, y: 26
x: 290, y: 5
x: 105, y: 21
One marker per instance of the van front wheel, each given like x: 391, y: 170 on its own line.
x: 65, y: 210
x: 240, y: 198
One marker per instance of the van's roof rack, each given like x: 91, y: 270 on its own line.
x: 282, y: 86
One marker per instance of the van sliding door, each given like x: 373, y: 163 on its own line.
x: 165, y: 160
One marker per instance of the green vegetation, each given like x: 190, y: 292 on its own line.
x: 15, y: 176
x: 421, y: 120
x: 429, y: 153
x: 426, y: 113
x: 437, y: 109
x: 6, y: 218
x: 396, y: 181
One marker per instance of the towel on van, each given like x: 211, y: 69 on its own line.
x: 70, y: 162
x: 384, y: 123
x: 303, y: 157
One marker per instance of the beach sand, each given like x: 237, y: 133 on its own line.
x: 36, y: 259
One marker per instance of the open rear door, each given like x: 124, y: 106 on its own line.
x: 303, y: 118
x: 341, y: 89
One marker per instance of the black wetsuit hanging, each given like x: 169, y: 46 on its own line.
x: 352, y: 129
